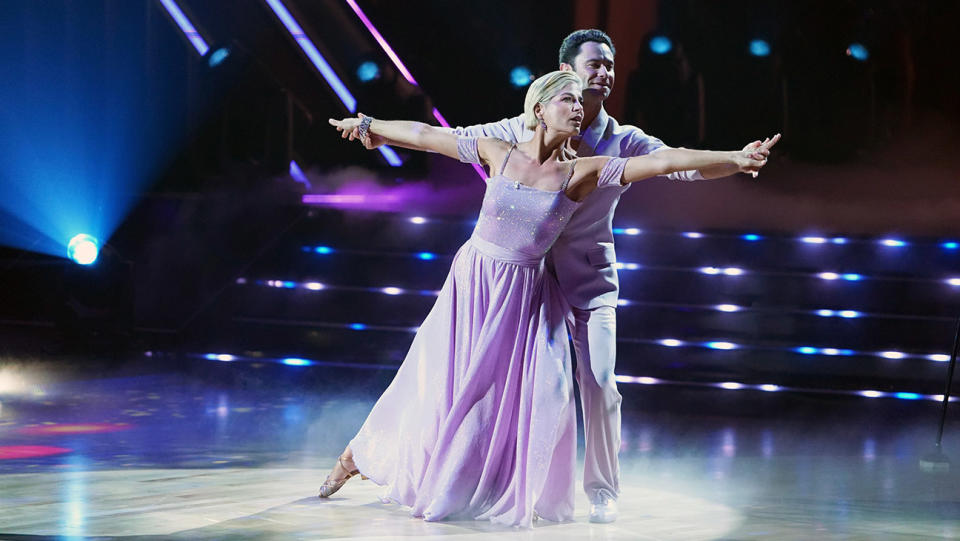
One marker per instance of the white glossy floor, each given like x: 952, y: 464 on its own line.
x: 175, y: 457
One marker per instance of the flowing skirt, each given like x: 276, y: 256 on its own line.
x: 479, y: 422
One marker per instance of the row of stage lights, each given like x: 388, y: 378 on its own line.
x: 521, y: 76
x: 949, y: 245
x: 665, y: 342
x: 708, y: 270
x: 641, y: 380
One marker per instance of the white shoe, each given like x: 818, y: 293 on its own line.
x: 604, y: 511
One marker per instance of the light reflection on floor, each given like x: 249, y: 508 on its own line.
x: 241, y: 452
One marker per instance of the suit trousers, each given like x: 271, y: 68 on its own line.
x: 595, y: 344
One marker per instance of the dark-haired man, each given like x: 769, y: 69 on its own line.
x: 583, y: 257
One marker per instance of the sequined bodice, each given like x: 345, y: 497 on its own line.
x: 522, y: 219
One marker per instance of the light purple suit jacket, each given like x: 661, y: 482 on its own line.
x: 583, y: 257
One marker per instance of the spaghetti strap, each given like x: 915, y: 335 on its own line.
x: 566, y: 182
x: 507, y: 157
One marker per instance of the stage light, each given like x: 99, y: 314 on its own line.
x: 769, y: 387
x: 293, y: 361
x: 728, y: 308
x: 751, y: 237
x: 297, y: 174
x: 871, y: 394
x: 858, y: 51
x: 693, y: 235
x: 939, y: 357
x: 314, y: 286
x: 953, y: 281
x: 368, y: 71
x: 825, y: 313
x: 710, y: 270
x: 852, y: 277
x: 426, y: 256
x: 631, y: 231
x: 218, y: 56
x: 721, y: 345
x: 896, y: 243
x: 324, y: 250
x: 828, y: 275
x: 849, y: 314
x: 186, y: 26
x: 223, y: 357
x: 391, y: 290
x: 907, y: 396
x: 309, y: 49
x: 814, y: 240
x: 358, y: 326
x: 83, y: 249
x: 733, y: 271
x: 759, y: 47
x: 660, y: 44
x: 807, y: 350
x: 951, y: 245
x: 838, y: 240
x: 671, y: 342
x: 895, y: 355
x: 520, y: 76
x: 623, y: 302
x: 732, y: 385
x: 418, y: 220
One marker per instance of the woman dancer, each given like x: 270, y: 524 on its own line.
x: 479, y: 421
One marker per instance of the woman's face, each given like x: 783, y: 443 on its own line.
x: 564, y: 112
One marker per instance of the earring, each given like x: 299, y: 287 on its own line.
x: 543, y: 124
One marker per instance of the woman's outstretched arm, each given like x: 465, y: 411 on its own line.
x: 748, y: 160
x: 402, y: 133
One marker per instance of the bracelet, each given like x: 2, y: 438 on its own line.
x: 364, y: 127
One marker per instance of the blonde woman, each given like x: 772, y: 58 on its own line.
x: 479, y: 421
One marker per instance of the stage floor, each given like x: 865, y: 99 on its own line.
x: 224, y: 451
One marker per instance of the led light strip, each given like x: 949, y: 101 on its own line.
x: 340, y: 89
x: 722, y: 345
x: 642, y: 380
x: 710, y: 270
x: 400, y: 66
x: 726, y: 308
x: 186, y: 26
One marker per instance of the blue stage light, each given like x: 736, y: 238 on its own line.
x: 759, y: 47
x: 217, y: 57
x: 895, y: 243
x: 950, y: 245
x: 907, y: 396
x: 358, y: 326
x: 186, y: 26
x: 852, y: 277
x: 858, y: 51
x: 426, y: 256
x: 293, y: 361
x: 660, y: 44
x: 520, y: 76
x: 721, y: 345
x: 83, y: 249
x: 368, y: 71
x: 751, y: 237
x: 826, y: 313
x: 807, y: 350
x: 848, y: 314
x: 323, y: 250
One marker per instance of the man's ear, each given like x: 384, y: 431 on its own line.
x: 537, y: 109
x: 566, y: 67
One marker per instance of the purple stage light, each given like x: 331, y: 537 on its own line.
x: 293, y: 27
x: 186, y: 26
x: 383, y: 43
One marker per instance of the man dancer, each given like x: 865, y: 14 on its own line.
x: 583, y: 257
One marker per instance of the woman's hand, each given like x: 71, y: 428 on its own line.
x: 348, y: 127
x: 754, y: 155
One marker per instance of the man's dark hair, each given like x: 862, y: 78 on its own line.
x: 570, y: 47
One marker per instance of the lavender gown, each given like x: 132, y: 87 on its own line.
x: 479, y: 422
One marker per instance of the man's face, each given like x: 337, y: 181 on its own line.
x: 594, y: 64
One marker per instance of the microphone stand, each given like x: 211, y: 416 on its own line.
x: 936, y: 461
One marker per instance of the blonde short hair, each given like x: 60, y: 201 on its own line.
x: 543, y: 90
